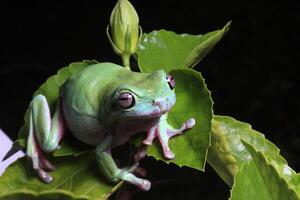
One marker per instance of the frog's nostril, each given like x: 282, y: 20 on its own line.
x: 155, y: 103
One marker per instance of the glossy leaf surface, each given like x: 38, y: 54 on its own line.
x: 259, y: 179
x: 228, y: 153
x: 167, y: 50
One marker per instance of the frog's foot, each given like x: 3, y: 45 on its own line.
x: 151, y: 134
x: 129, y: 177
x: 44, y: 176
x: 45, y: 164
x: 126, y: 174
x: 41, y: 165
x: 111, y: 171
x: 164, y: 131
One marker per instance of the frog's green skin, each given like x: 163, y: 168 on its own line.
x: 89, y: 106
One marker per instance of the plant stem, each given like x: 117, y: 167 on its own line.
x: 126, y: 60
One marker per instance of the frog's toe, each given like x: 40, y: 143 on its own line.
x: 145, y: 185
x: 169, y: 154
x: 47, y: 165
x: 131, y: 178
x: 151, y: 134
x: 185, y: 126
x: 190, y: 123
x: 147, y: 142
x: 44, y: 176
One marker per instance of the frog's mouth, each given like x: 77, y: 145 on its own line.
x: 155, y: 112
x: 146, y: 116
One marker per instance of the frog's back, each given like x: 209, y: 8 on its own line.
x: 82, y: 96
x: 84, y: 90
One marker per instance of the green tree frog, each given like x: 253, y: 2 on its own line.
x: 105, y: 105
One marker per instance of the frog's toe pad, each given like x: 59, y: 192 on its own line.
x: 169, y: 154
x: 190, y: 123
x: 145, y: 185
x: 147, y: 142
x: 45, y: 177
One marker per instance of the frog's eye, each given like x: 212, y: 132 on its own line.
x: 171, y: 81
x: 126, y: 100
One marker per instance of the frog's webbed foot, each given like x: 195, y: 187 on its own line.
x: 128, y: 176
x: 164, y: 131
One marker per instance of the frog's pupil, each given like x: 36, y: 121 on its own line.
x: 126, y: 100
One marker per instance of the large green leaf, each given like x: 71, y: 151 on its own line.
x: 259, y: 179
x: 167, y: 50
x: 75, y: 178
x: 193, y: 101
x: 174, y: 54
x: 227, y: 152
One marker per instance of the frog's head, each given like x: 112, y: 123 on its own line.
x: 147, y: 96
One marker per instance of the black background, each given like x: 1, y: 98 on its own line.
x: 252, y: 72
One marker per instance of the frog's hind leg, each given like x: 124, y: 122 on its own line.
x: 111, y: 171
x: 44, y: 135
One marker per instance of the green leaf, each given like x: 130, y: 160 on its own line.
x: 50, y: 89
x: 174, y: 54
x: 193, y: 101
x: 75, y: 178
x: 167, y: 50
x: 259, y: 179
x: 227, y: 152
x: 72, y: 146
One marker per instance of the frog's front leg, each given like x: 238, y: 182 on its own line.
x: 44, y: 135
x: 164, y: 131
x: 110, y: 170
